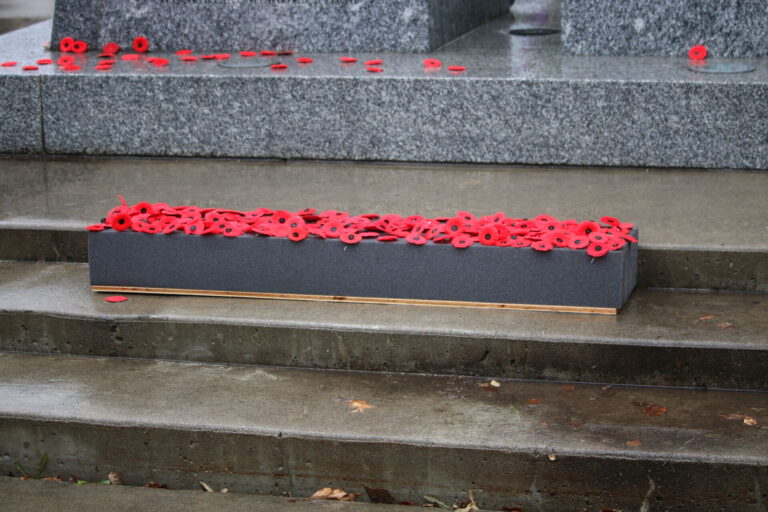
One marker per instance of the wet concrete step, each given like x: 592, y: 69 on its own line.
x: 35, y: 495
x: 698, y: 229
x: 535, y: 445
x: 714, y: 340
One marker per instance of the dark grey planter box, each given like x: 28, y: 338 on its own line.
x: 371, y: 271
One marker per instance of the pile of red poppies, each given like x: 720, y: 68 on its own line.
x: 542, y: 233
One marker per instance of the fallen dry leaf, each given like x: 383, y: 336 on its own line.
x: 359, y: 406
x: 750, y: 421
x: 327, y: 493
x: 224, y: 491
x: 534, y: 401
x: 636, y: 442
x: 651, y: 409
x: 379, y: 496
x: 115, y: 478
x: 569, y: 387
x: 707, y: 317
x: 552, y: 456
x: 725, y: 325
x: 207, y: 487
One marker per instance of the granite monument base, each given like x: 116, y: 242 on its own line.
x: 732, y: 28
x: 305, y: 25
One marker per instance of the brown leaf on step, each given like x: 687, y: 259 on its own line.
x: 636, y: 442
x: 56, y: 478
x: 569, y: 387
x: 359, y: 406
x: 734, y: 416
x: 207, y: 487
x: 379, y: 495
x: 651, y: 409
x: 534, y: 401
x: 707, y: 317
x: 327, y: 493
x: 725, y: 325
x: 750, y: 421
x: 115, y: 478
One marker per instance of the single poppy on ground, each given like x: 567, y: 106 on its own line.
x: 348, y: 60
x: 304, y: 60
x: 107, y: 62
x: 96, y: 227
x: 248, y: 53
x: 388, y: 238
x: 551, y: 226
x: 597, y: 249
x: 111, y: 48
x: 8, y: 64
x: 116, y: 298
x: 489, y: 235
x: 587, y: 227
x: 544, y: 218
x: 462, y: 241
x: 374, y: 69
x: 29, y: 68
x: 350, y: 237
x: 578, y: 242
x: 432, y: 63
x: 374, y: 62
x: 120, y: 221
x: 103, y: 68
x: 298, y: 234
x: 223, y: 56
x: 44, y: 62
x: 79, y: 47
x: 279, y: 66
x: 65, y: 45
x: 416, y: 239
x: 130, y: 56
x: 268, y: 53
x: 182, y: 53
x: 208, y: 57
x: 194, y: 228
x: 457, y: 69
x: 698, y: 52
x: 160, y: 62
x: 189, y: 58
x: 140, y: 45
x: 542, y: 246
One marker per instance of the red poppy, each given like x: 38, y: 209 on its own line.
x: 347, y: 60
x: 597, y: 249
x: 374, y: 62
x: 598, y: 236
x: 629, y: 238
x: 374, y: 69
x: 29, y: 68
x: 457, y: 69
x: 462, y: 241
x: 615, y: 244
x: 223, y: 56
x: 103, y: 68
x: 130, y: 56
x: 208, y: 57
x: 161, y: 62
x: 194, y: 228
x: 268, y: 53
x: 350, y: 237
x: 111, y: 48
x: 142, y: 208
x: 79, y: 47
x: 182, y: 53
x: 611, y: 221
x: 489, y: 235
x: 71, y: 67
x: 96, y: 227
x: 107, y: 62
x: 587, y: 227
x: 189, y: 58
x: 432, y: 63
x: 416, y: 238
x: 542, y: 246
x: 578, y: 242
x: 44, y: 62
x: 298, y: 234
x: 557, y: 238
x: 521, y: 242
x: 279, y: 66
x: 232, y: 230
x: 388, y: 238
x: 152, y: 228
x: 65, y: 45
x: 286, y: 52
x: 172, y: 226
x: 116, y: 298
x: 698, y: 52
x: 333, y: 229
x: 141, y: 44
x: 120, y: 221
x: 248, y: 53
x: 304, y: 60
x: 8, y: 64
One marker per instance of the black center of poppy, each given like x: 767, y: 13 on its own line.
x: 143, y: 210
x: 488, y: 236
x: 551, y: 228
x: 351, y: 237
x: 121, y: 221
x: 103, y: 220
x: 333, y: 230
x: 193, y: 228
x: 588, y: 230
x: 282, y: 220
x: 598, y: 247
x: 228, y: 230
x: 454, y: 228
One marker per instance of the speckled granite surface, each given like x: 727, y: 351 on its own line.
x: 20, y: 112
x: 520, y: 101
x: 307, y: 25
x: 729, y: 28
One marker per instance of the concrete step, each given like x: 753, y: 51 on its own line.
x: 698, y: 229
x: 35, y: 495
x: 520, y: 101
x: 539, y: 446
x: 660, y: 338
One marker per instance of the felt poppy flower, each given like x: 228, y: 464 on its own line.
x: 457, y: 69
x: 29, y: 68
x: 279, y: 67
x: 488, y: 235
x: 160, y: 63
x: 268, y: 53
x: 116, y: 298
x: 304, y: 60
x: 130, y: 56
x: 44, y: 62
x: 557, y: 238
x: 232, y: 229
x: 189, y: 58
x: 616, y: 244
x: 388, y: 238
x: 333, y: 229
x: 698, y: 52
x: 350, y: 237
x: 281, y: 217
x: 374, y: 69
x: 152, y: 229
x: 610, y: 221
x: 462, y: 241
x: 182, y: 53
x: 172, y: 226
x: 65, y: 45
x: 542, y: 246
x: 587, y: 227
x: 223, y: 56
x: 103, y: 68
x: 71, y: 67
x: 96, y: 227
x: 369, y: 234
x: 142, y: 208
x: 194, y: 228
x: 432, y: 63
x: 629, y: 238
x: 294, y: 221
x: 298, y: 234
x: 578, y: 242
x: 8, y: 64
x: 79, y: 47
x: 111, y: 48
x: 107, y: 62
x: 374, y: 62
x: 140, y: 44
x: 521, y: 242
x: 597, y: 249
x: 348, y: 60
x: 248, y: 53
x: 120, y: 221
x: 597, y: 236
x: 208, y: 57
x: 416, y: 239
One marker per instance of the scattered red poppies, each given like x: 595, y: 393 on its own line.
x: 542, y: 233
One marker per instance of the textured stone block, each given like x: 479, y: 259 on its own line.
x: 20, y: 125
x: 732, y: 28
x: 307, y: 25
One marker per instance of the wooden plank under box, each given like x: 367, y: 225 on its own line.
x: 371, y: 271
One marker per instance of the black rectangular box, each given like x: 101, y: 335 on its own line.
x: 371, y: 271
